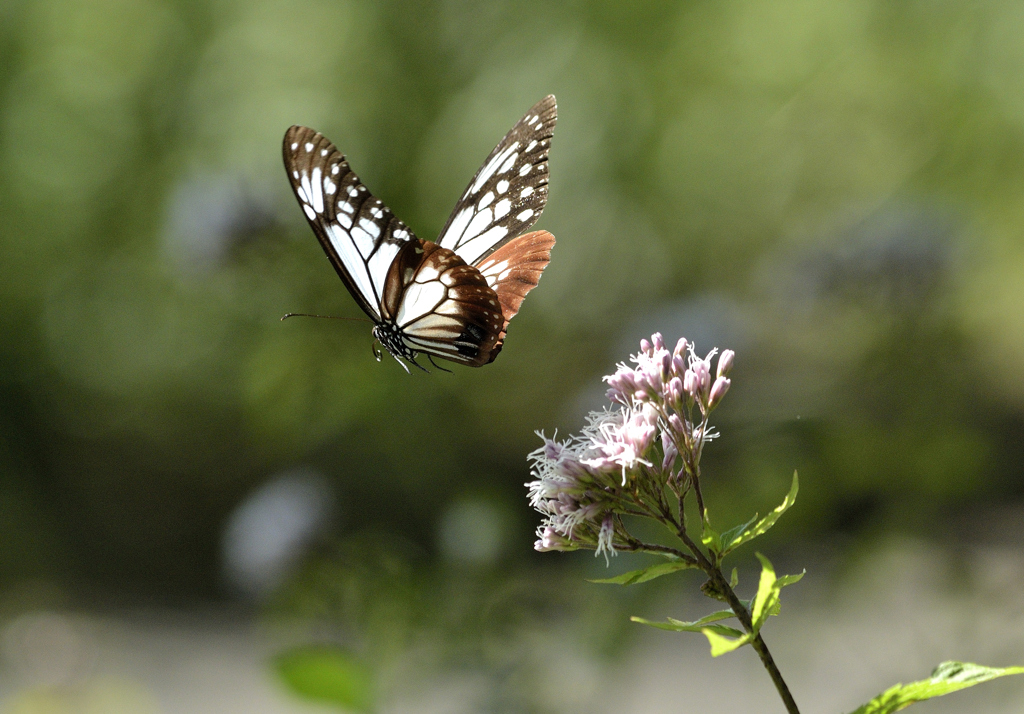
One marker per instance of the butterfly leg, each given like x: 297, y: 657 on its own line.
x: 436, y: 365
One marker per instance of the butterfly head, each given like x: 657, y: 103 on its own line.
x: 390, y: 337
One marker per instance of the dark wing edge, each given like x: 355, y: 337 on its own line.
x: 512, y: 271
x: 507, y: 195
x: 359, y: 234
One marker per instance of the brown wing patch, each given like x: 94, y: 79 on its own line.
x: 514, y: 270
x: 442, y: 306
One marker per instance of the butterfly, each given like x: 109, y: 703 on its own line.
x: 451, y: 298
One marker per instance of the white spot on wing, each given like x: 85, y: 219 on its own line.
x: 380, y: 262
x: 329, y: 187
x: 502, y: 186
x: 426, y: 274
x: 323, y: 152
x: 370, y: 227
x: 309, y: 146
x: 493, y: 165
x: 451, y: 237
x: 528, y: 191
x: 318, y: 194
x: 295, y: 146
x: 334, y: 170
x: 525, y: 170
x: 486, y: 200
x: 309, y: 212
x: 474, y: 248
x: 307, y: 194
x: 501, y: 208
x: 525, y: 214
x: 509, y: 163
x: 353, y: 264
x: 480, y: 221
x: 420, y: 298
x: 363, y: 240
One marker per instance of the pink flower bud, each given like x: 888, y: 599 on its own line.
x: 666, y: 365
x: 652, y: 378
x: 640, y: 395
x: 669, y: 449
x: 691, y: 384
x: 681, y: 347
x: 550, y: 539
x: 702, y: 372
x: 678, y: 365
x: 725, y: 363
x: 656, y: 340
x: 645, y: 346
x: 718, y: 391
x: 677, y: 425
x: 674, y: 391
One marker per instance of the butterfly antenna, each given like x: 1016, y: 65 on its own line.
x: 325, y: 317
x: 436, y: 365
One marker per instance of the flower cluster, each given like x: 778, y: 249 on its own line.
x: 625, y: 456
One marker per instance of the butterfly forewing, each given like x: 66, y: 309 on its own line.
x: 442, y: 306
x: 508, y: 193
x: 358, y: 232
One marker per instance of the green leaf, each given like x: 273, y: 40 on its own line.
x: 700, y: 625
x: 947, y: 677
x: 328, y: 675
x: 644, y: 574
x: 710, y: 537
x: 724, y: 639
x: 735, y: 532
x: 735, y: 579
x: 735, y: 537
x: 767, y: 603
x: 721, y: 645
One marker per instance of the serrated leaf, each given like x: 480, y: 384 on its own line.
x: 644, y: 574
x: 328, y: 675
x: 947, y: 677
x: 695, y: 626
x: 750, y: 530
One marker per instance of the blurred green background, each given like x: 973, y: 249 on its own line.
x: 835, y: 190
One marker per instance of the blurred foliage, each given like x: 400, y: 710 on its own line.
x: 831, y: 189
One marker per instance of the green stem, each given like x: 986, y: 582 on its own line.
x: 722, y: 585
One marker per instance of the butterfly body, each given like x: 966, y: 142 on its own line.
x: 452, y: 298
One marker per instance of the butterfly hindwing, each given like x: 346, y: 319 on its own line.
x: 513, y: 270
x: 508, y: 193
x: 358, y: 232
x: 440, y: 305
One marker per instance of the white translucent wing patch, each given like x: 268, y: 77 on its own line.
x: 358, y: 232
x: 508, y: 193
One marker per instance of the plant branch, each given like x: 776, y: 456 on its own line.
x: 758, y: 643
